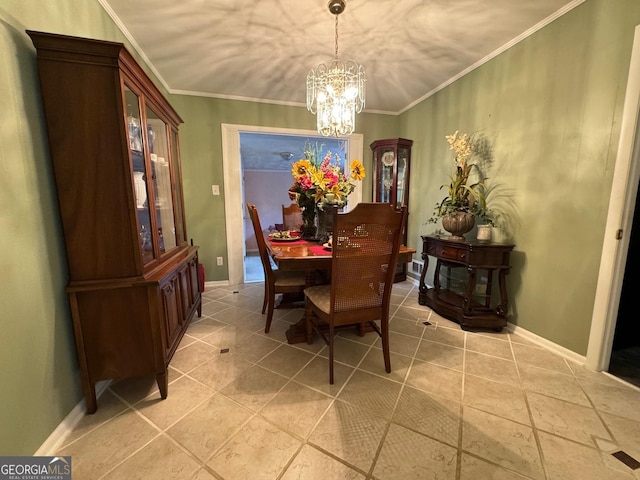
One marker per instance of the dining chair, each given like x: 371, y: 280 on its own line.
x: 275, y: 281
x: 365, y: 247
x: 292, y: 217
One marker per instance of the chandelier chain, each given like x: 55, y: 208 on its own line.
x: 336, y: 36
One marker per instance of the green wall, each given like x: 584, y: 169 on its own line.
x: 550, y: 106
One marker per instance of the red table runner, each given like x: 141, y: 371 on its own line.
x: 319, y: 250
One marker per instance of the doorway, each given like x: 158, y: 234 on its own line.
x: 234, y: 193
x: 625, y: 355
x: 266, y: 160
x: 618, y: 249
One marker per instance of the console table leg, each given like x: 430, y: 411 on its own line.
x: 423, y: 286
x: 503, y: 308
x: 471, y: 285
x: 436, y: 276
x: 487, y: 293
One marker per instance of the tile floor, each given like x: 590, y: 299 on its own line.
x: 253, y: 271
x: 457, y: 405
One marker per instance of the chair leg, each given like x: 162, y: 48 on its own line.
x: 272, y: 301
x: 331, y: 353
x: 266, y: 296
x: 384, y: 330
x: 361, y: 329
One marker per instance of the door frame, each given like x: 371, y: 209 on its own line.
x: 624, y: 188
x: 234, y: 196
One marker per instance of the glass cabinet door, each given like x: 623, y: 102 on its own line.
x: 161, y: 175
x: 175, y: 163
x: 401, y: 179
x: 136, y: 149
x: 386, y: 179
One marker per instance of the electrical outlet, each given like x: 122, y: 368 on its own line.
x: 215, y: 189
x: 220, y: 261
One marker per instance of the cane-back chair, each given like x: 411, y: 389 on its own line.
x: 275, y: 281
x: 292, y: 217
x: 366, y: 242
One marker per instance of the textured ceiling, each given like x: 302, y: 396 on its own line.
x: 263, y: 49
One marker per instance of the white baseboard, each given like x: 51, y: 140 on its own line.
x: 52, y: 444
x: 216, y: 283
x: 543, y: 342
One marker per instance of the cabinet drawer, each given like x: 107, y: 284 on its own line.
x: 455, y: 254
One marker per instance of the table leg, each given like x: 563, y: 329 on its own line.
x: 297, y: 332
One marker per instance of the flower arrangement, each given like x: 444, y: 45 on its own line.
x: 463, y: 196
x: 321, y: 182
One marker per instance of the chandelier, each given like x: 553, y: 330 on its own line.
x: 336, y: 92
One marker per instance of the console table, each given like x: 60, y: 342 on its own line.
x: 464, y: 294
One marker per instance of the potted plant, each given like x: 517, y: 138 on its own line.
x: 467, y: 193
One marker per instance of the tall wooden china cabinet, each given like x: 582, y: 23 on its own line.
x: 391, y: 160
x: 133, y: 278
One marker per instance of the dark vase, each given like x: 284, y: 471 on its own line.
x: 309, y: 226
x: 325, y: 222
x: 458, y: 223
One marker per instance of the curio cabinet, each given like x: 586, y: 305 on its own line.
x: 391, y: 161
x: 133, y: 277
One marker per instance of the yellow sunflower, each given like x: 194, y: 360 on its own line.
x: 301, y: 168
x: 357, y: 170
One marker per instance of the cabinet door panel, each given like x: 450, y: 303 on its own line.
x: 194, y: 284
x: 185, y: 291
x: 172, y: 314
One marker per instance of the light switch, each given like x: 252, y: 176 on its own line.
x: 215, y: 189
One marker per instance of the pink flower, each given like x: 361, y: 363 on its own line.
x: 326, y: 162
x: 332, y: 178
x: 305, y: 182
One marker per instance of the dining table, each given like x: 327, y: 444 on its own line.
x: 310, y: 256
